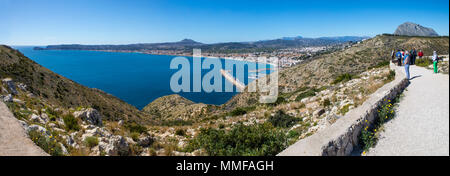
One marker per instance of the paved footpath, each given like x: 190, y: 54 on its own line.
x: 421, y: 126
x: 13, y: 139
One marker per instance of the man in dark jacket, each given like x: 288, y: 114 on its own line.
x: 413, y: 56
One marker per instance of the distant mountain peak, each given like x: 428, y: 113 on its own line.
x: 292, y: 38
x: 413, y: 29
x: 188, y: 41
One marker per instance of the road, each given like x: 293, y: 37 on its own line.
x: 13, y: 139
x: 421, y: 126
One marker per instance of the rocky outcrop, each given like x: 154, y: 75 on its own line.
x: 114, y: 146
x: 38, y: 119
x: 175, y: 107
x: 90, y: 115
x: 412, y: 29
x: 38, y: 128
x: 145, y: 141
x: 10, y: 84
x: 6, y: 98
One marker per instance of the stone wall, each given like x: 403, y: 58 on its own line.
x: 341, y: 137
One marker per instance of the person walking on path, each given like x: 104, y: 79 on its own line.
x: 435, y: 61
x: 420, y: 54
x: 406, y: 62
x: 413, y: 56
x: 393, y: 56
x: 399, y: 58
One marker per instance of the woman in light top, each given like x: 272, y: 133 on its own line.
x: 406, y: 63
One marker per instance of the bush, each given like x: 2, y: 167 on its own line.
x: 381, y: 64
x: 51, y: 114
x: 180, y: 132
x: 306, y: 94
x: 134, y: 136
x: 326, y: 102
x: 345, y: 109
x: 134, y: 127
x: 343, y: 78
x: 391, y: 76
x: 177, y: 122
x: 280, y: 100
x: 368, y: 137
x: 281, y: 119
x: 293, y: 134
x: 71, y: 122
x: 254, y: 140
x: 241, y: 111
x: 49, y: 145
x: 424, y: 62
x: 91, y: 141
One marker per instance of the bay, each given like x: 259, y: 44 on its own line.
x: 136, y: 78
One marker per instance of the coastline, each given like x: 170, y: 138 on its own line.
x: 181, y: 55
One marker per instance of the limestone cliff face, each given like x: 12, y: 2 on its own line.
x: 412, y: 29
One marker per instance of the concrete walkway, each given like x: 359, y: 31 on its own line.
x: 421, y: 126
x: 13, y: 139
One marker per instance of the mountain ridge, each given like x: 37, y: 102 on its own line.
x: 189, y: 44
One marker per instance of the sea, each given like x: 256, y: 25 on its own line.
x: 135, y: 78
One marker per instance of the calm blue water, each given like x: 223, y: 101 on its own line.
x: 136, y: 78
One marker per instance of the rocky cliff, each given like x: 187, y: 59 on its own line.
x: 412, y: 29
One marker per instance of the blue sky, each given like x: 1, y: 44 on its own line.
x: 42, y: 22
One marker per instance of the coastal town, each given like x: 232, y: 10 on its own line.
x: 287, y: 57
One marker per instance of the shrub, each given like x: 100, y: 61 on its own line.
x: 177, y: 122
x: 134, y: 136
x: 241, y: 111
x: 326, y: 102
x: 254, y: 140
x: 221, y: 126
x: 381, y: 64
x: 424, y: 62
x: 48, y: 144
x: 180, y: 132
x: 343, y: 78
x: 91, y: 141
x: 368, y: 137
x: 281, y: 119
x: 391, y: 76
x: 71, y: 122
x: 293, y: 134
x: 51, y: 114
x: 134, y: 127
x: 306, y: 94
x: 345, y: 109
x: 279, y: 100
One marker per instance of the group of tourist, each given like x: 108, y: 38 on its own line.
x: 407, y: 58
